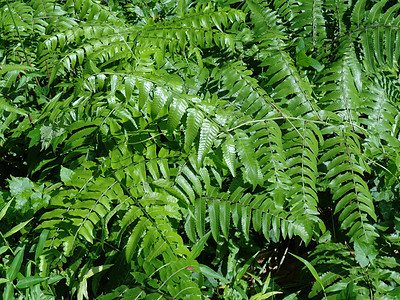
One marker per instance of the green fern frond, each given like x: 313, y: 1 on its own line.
x: 289, y: 90
x: 104, y: 42
x: 17, y: 18
x: 252, y: 172
x: 248, y: 96
x: 302, y: 164
x: 358, y: 13
x: 346, y: 171
x: 379, y: 107
x: 340, y: 85
x: 152, y: 128
x: 264, y: 19
x: 309, y: 23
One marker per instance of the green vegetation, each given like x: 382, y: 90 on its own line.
x: 211, y: 149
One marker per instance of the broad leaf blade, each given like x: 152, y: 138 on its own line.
x: 311, y: 269
x: 40, y: 245
x: 30, y: 281
x: 4, y: 209
x: 16, y: 228
x: 12, y: 272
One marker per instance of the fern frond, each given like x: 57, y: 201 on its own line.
x: 267, y: 139
x: 340, y: 85
x: 117, y: 41
x: 346, y: 170
x: 264, y: 19
x: 302, y: 163
x: 155, y: 237
x: 289, y: 89
x: 252, y: 172
x: 381, y: 112
x: 336, y: 24
x: 358, y: 13
x: 17, y: 19
x: 377, y: 32
x: 309, y: 23
x: 83, y: 215
x: 246, y: 92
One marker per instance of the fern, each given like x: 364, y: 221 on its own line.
x: 164, y: 146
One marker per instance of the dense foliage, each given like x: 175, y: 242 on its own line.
x: 164, y: 150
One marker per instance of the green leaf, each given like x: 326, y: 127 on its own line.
x: 312, y: 270
x: 225, y: 212
x: 30, y: 281
x: 34, y: 135
x: 316, y: 64
x: 265, y: 296
x: 9, y: 291
x: 194, y: 180
x: 193, y: 122
x: 214, y: 213
x: 16, y: 228
x: 3, y: 249
x: 13, y: 270
x: 82, y: 291
x: 358, y: 12
x: 229, y: 153
x: 129, y: 86
x: 365, y: 253
x: 94, y: 270
x: 176, y: 111
x: 48, y: 133
x: 210, y: 273
x: 248, y: 158
x: 208, y: 134
x: 55, y: 279
x: 199, y: 246
x: 181, y: 8
x: 7, y: 106
x: 4, y: 209
x: 184, y: 184
x: 134, y: 239
x: 159, y: 100
x: 14, y: 67
x: 40, y: 245
x: 144, y: 90
x: 303, y: 227
x: 245, y: 267
x: 19, y: 185
x: 200, y: 215
x: 66, y: 175
x: 302, y: 59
